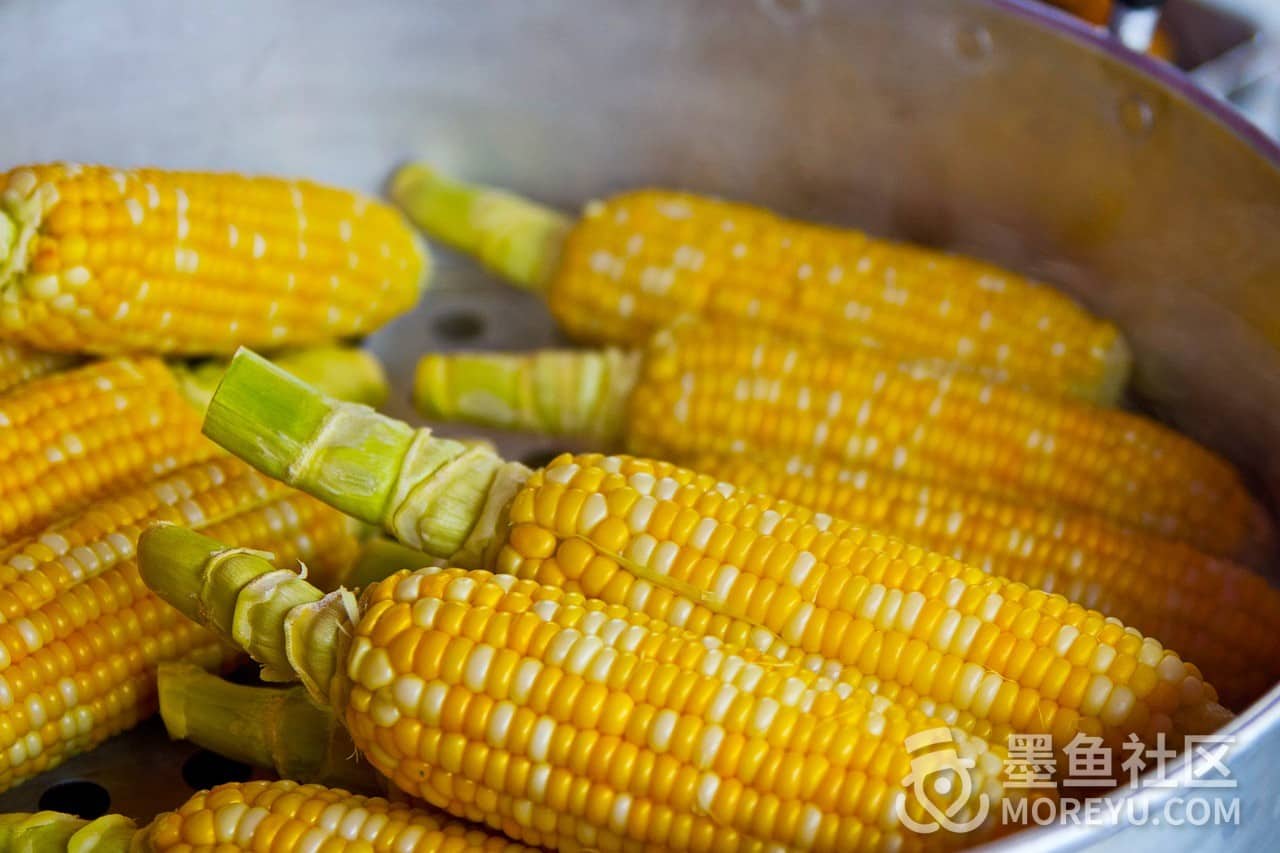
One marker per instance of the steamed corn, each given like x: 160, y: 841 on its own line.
x: 633, y: 264
x: 80, y: 435
x: 1215, y: 612
x: 568, y: 723
x: 698, y: 389
x: 741, y: 567
x: 95, y: 259
x: 258, y: 817
x: 80, y: 635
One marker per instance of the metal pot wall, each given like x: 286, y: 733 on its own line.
x: 996, y: 128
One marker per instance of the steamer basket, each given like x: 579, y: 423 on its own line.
x: 997, y: 128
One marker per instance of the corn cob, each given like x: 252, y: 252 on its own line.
x: 563, y: 721
x: 19, y: 364
x: 73, y: 437
x: 80, y: 634
x: 637, y: 262
x: 262, y: 817
x: 741, y: 567
x: 1162, y: 588
x: 700, y: 390
x: 94, y: 259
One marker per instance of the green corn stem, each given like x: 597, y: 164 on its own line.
x: 514, y: 237
x: 433, y: 494
x: 380, y: 558
x: 347, y: 373
x: 51, y: 832
x: 275, y: 728
x: 292, y: 629
x: 579, y: 393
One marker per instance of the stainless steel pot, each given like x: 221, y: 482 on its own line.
x: 996, y: 128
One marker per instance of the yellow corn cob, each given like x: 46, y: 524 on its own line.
x: 567, y: 722
x: 19, y: 364
x: 94, y: 259
x: 698, y: 389
x: 703, y: 555
x: 259, y: 817
x: 73, y: 437
x: 1163, y: 588
x: 80, y: 634
x: 633, y: 264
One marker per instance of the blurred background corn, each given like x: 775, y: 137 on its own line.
x: 636, y: 262
x: 76, y: 436
x: 19, y: 364
x: 102, y: 260
x: 70, y: 438
x: 80, y: 634
x: 283, y: 817
x: 697, y: 552
x: 699, y: 389
x: 1162, y: 587
x: 567, y: 722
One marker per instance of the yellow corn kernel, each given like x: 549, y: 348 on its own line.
x: 110, y: 261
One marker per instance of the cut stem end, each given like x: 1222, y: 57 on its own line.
x: 516, y: 238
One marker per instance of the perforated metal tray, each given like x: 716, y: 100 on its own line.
x: 988, y: 126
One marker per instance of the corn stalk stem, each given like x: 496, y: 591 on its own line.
x: 275, y: 728
x: 293, y: 629
x: 580, y: 393
x: 439, y: 496
x: 516, y: 238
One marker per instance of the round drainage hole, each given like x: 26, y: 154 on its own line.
x: 459, y: 326
x: 79, y: 797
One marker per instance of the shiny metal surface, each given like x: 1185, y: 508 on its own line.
x: 988, y: 127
